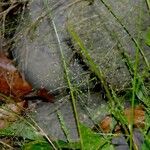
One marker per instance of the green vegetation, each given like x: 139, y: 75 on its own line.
x: 26, y: 134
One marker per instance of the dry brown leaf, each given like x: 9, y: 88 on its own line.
x: 43, y: 93
x: 11, y: 81
x: 105, y: 124
x: 14, y: 85
x: 3, y: 123
x: 139, y: 119
x: 10, y: 110
x: 9, y: 113
x: 139, y: 116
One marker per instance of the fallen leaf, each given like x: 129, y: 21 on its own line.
x: 13, y: 89
x: 14, y: 85
x: 45, y: 95
x: 105, y: 124
x: 138, y: 121
x: 3, y: 123
x: 8, y: 111
x: 139, y: 116
x: 11, y: 81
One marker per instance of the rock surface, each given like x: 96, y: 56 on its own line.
x: 44, y: 34
x: 39, y: 54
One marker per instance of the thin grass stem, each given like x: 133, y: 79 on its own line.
x: 148, y: 4
x: 69, y: 85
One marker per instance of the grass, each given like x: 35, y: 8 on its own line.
x: 70, y: 86
x: 35, y: 137
x: 148, y: 4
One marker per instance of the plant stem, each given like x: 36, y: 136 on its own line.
x: 148, y: 4
x: 69, y: 85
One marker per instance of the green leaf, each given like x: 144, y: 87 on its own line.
x: 146, y: 145
x: 37, y: 145
x: 43, y: 145
x: 108, y: 147
x: 147, y: 37
x: 92, y: 140
x: 22, y: 129
x: 70, y: 145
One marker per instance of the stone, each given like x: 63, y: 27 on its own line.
x: 44, y: 34
x: 43, y: 37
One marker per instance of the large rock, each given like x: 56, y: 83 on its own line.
x: 39, y: 55
x: 43, y: 35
